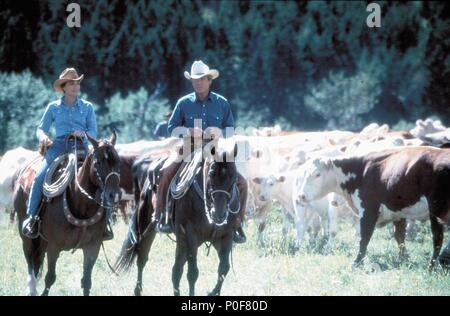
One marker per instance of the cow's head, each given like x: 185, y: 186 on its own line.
x: 267, y: 185
x: 318, y: 180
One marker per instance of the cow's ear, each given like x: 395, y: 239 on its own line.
x: 328, y: 164
x: 281, y: 178
x: 257, y: 180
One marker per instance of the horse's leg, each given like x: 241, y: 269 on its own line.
x: 142, y: 257
x: 223, y: 247
x: 90, y: 256
x: 177, y: 269
x: 12, y: 215
x: 34, y: 256
x: 50, y: 277
x: 192, y: 249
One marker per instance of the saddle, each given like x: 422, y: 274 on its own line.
x: 58, y: 177
x: 189, y: 175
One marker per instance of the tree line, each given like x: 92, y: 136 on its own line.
x: 302, y: 64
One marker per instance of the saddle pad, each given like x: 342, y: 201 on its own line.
x: 28, y: 174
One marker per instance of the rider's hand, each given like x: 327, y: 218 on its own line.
x: 213, y: 133
x: 196, y: 132
x: 78, y: 134
x: 46, y: 141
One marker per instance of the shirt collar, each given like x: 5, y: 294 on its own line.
x: 77, y: 101
x: 207, y: 99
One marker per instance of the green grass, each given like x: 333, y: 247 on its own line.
x: 273, y: 270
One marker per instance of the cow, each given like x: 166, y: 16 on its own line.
x: 393, y: 179
x: 11, y: 162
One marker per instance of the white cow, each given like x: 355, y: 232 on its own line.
x: 11, y: 162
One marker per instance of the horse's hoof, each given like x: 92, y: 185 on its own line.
x: 137, y: 292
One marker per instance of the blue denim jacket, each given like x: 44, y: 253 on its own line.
x: 214, y: 112
x: 67, y: 119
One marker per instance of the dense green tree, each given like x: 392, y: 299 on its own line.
x: 274, y: 57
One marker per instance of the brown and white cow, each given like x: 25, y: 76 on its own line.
x: 394, y: 179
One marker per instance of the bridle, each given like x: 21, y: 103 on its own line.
x: 102, y: 183
x: 209, y: 192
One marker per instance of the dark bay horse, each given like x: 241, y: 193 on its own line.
x: 74, y: 222
x: 195, y: 220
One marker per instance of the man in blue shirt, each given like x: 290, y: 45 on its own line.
x: 70, y: 115
x: 198, y: 111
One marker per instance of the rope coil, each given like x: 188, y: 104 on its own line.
x: 55, y: 188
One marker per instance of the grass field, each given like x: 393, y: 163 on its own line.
x: 271, y: 270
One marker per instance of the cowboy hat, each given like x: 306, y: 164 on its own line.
x: 69, y: 74
x: 199, y: 69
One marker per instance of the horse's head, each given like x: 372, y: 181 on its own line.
x: 105, y: 168
x: 220, y: 183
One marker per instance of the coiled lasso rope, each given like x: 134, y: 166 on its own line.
x: 51, y: 189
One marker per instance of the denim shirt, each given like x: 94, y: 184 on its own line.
x: 68, y: 119
x: 215, y: 111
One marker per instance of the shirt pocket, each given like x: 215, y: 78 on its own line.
x: 190, y: 120
x: 217, y: 120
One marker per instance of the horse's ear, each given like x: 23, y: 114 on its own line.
x: 92, y: 140
x: 113, y: 137
x: 235, y: 150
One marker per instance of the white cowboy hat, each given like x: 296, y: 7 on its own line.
x: 69, y: 74
x: 199, y: 69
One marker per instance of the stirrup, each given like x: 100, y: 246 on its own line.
x: 166, y: 228
x: 30, y: 227
x: 239, y: 236
x: 108, y: 234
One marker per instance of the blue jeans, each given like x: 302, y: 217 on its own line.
x: 59, y: 147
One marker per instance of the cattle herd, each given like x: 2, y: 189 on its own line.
x: 371, y: 178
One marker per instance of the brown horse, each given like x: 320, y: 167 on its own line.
x: 196, y: 221
x: 76, y: 219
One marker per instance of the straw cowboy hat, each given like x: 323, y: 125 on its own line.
x: 69, y: 74
x: 199, y: 69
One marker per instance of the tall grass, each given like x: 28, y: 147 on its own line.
x: 274, y: 269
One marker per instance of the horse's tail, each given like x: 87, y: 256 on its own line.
x: 138, y: 226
